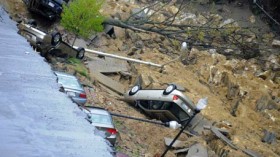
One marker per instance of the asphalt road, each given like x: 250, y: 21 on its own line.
x: 35, y: 118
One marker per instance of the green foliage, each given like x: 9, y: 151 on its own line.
x: 82, y: 17
x: 201, y: 36
x: 78, y: 66
x: 74, y: 61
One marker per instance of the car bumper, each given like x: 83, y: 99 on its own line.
x: 112, y: 139
x: 79, y: 101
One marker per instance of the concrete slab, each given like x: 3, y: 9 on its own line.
x: 80, y: 43
x: 106, y: 81
x: 107, y: 65
x: 197, y: 150
x: 176, y: 144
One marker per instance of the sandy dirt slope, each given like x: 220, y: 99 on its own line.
x: 200, y: 80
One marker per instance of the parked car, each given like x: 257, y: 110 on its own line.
x: 102, y: 120
x: 72, y: 87
x: 51, y: 9
x: 39, y: 39
x: 164, y: 104
x: 48, y: 43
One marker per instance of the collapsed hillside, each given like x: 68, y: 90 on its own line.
x: 242, y: 93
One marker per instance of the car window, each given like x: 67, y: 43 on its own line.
x: 98, y: 118
x: 69, y: 82
x: 178, y: 112
x: 165, y: 105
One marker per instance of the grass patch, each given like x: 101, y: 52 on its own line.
x: 74, y: 61
x: 78, y: 66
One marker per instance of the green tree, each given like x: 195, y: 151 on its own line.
x: 82, y: 17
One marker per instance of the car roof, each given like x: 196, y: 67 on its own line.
x: 57, y: 73
x: 96, y: 110
x: 68, y: 81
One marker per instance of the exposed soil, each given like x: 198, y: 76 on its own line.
x: 210, y: 76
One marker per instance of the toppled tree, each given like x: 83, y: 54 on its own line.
x: 207, y: 30
x: 82, y: 17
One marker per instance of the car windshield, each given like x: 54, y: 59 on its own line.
x: 70, y: 82
x: 99, y: 118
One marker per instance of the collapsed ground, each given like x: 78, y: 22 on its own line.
x: 239, y: 93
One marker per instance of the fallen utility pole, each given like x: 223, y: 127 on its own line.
x: 122, y: 58
x: 138, y: 119
x: 180, y: 132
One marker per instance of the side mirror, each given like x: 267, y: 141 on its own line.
x: 61, y: 89
x: 201, y: 104
x: 88, y: 118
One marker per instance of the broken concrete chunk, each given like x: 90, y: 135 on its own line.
x: 265, y: 75
x: 119, y: 33
x: 138, y: 13
x: 265, y: 102
x: 109, y: 29
x: 196, y: 126
x: 184, y: 150
x: 222, y: 137
x: 172, y: 9
x: 107, y: 65
x: 234, y: 107
x: 146, y: 80
x: 251, y: 153
x: 226, y: 22
x: 233, y: 90
x: 176, y: 144
x: 269, y: 137
x: 276, y: 43
x: 139, y: 44
x: 179, y: 87
x: 197, y: 150
x: 106, y: 81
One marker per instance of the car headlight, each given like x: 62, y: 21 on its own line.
x: 56, y: 38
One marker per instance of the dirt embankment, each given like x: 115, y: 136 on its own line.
x: 234, y: 89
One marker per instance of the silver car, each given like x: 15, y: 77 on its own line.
x: 48, y: 43
x: 164, y: 104
x: 39, y: 39
x: 72, y: 87
x: 102, y: 120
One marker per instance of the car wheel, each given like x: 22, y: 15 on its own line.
x: 56, y: 38
x: 169, y: 89
x: 80, y: 53
x: 134, y: 90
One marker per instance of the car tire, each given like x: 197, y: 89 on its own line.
x: 80, y: 53
x: 170, y: 88
x: 134, y: 90
x: 56, y: 38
